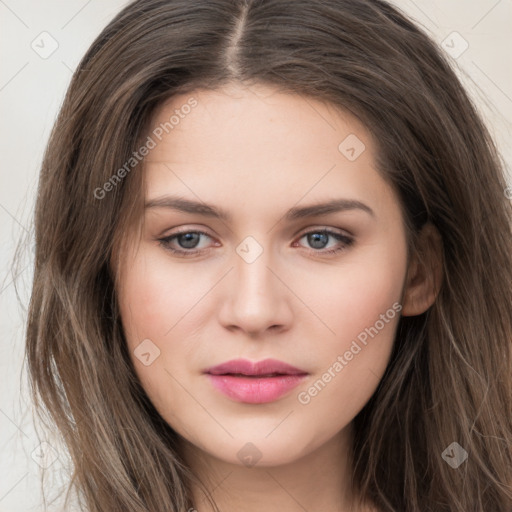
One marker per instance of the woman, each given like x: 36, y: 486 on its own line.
x: 273, y: 267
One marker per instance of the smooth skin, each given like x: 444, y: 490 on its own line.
x: 255, y: 153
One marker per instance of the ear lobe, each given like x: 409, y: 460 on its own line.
x: 425, y: 272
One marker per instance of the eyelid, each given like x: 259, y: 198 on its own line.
x: 323, y: 227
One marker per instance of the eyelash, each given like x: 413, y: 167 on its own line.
x: 346, y: 242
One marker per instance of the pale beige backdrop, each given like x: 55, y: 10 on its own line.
x: 40, y: 45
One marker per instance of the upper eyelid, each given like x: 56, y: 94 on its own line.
x: 301, y: 232
x: 318, y: 227
x: 314, y: 229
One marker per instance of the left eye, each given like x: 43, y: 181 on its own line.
x: 188, y: 242
x: 320, y: 237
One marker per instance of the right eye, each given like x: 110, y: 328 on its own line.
x: 187, y: 242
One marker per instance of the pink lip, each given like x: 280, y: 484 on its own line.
x: 255, y: 386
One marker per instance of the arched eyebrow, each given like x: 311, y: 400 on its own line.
x: 297, y: 212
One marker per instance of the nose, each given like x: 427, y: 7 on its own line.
x: 256, y: 298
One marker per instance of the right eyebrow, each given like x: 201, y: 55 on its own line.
x: 188, y: 206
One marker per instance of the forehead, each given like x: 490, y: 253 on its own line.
x: 259, y: 144
x: 255, y: 121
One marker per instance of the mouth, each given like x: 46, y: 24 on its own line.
x: 255, y: 383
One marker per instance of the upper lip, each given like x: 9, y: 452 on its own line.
x: 246, y: 367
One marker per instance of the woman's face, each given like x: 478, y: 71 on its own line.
x: 264, y: 272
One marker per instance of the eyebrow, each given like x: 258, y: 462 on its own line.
x: 297, y: 212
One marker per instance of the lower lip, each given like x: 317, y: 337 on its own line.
x: 253, y: 390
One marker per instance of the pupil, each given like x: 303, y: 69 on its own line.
x: 316, y: 237
x: 190, y: 240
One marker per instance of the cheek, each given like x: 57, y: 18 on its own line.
x: 350, y: 298
x: 164, y: 304
x: 155, y: 296
x: 362, y: 307
x: 361, y: 298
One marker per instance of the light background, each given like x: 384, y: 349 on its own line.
x: 31, y: 91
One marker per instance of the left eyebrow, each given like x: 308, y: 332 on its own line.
x: 334, y: 206
x: 200, y: 208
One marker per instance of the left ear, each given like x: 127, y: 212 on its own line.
x: 424, y: 273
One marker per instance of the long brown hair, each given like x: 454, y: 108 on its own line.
x: 450, y: 375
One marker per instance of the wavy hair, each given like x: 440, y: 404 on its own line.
x: 450, y: 373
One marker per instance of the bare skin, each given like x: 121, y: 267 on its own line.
x: 256, y: 153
